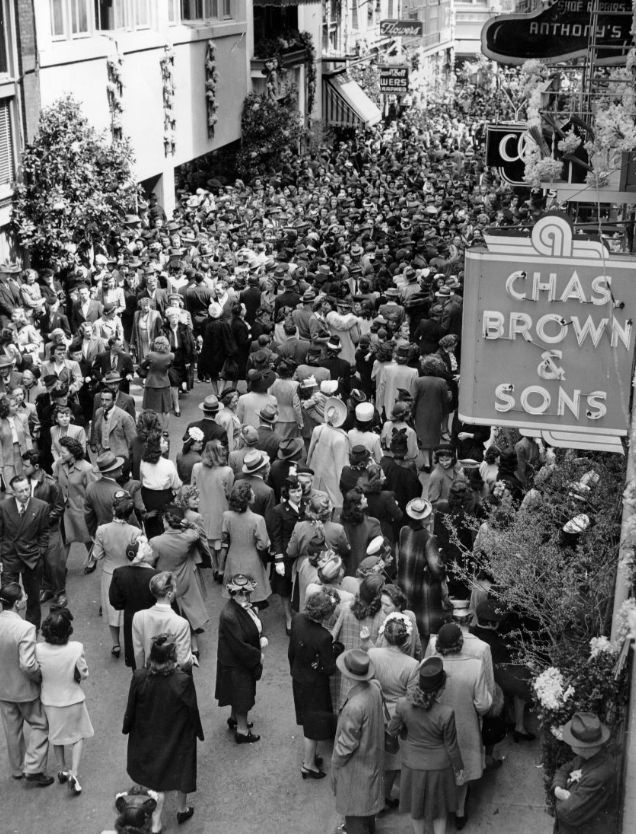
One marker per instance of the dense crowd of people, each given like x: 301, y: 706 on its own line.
x: 320, y: 311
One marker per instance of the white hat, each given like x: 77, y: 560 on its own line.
x: 364, y: 412
x: 375, y: 546
x: 329, y: 386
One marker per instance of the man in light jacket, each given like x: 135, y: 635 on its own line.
x: 20, y: 692
x: 161, y: 619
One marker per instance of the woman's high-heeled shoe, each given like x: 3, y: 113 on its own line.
x: 116, y: 651
x: 73, y: 785
x: 62, y: 776
x: 184, y: 816
x: 306, y: 773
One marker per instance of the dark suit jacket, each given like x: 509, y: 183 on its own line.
x: 159, y: 302
x: 268, y: 441
x: 98, y: 508
x: 239, y: 642
x: 23, y: 538
x: 310, y: 652
x: 102, y: 364
x: 123, y: 401
x: 78, y: 317
x: 280, y: 526
x: 9, y: 296
x: 263, y: 495
x: 48, y: 490
x: 129, y: 592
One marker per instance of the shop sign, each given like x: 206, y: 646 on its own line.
x: 548, y: 336
x: 560, y: 31
x: 401, y: 28
x: 507, y: 146
x: 394, y: 79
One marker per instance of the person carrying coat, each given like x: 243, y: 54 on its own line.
x: 358, y: 752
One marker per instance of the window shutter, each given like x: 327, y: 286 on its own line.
x: 7, y: 165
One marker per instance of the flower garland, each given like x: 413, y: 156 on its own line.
x: 211, y: 80
x: 169, y: 121
x: 114, y: 91
x: 310, y: 69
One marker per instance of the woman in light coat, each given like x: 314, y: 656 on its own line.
x: 214, y: 479
x: 73, y: 473
x: 329, y: 450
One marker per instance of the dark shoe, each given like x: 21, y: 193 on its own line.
x: 73, y: 785
x: 41, y: 780
x: 196, y: 654
x: 61, y: 600
x: 62, y: 776
x: 306, y: 773
x: 517, y: 736
x: 184, y: 816
x: 17, y: 775
x: 493, y: 764
x: 246, y: 738
x: 288, y: 631
x: 90, y: 567
x: 460, y: 822
x: 391, y: 803
x: 231, y: 723
x: 45, y: 596
x: 116, y: 651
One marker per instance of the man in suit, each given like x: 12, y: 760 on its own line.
x: 24, y: 538
x: 158, y: 297
x: 248, y: 441
x: 47, y: 489
x: 161, y: 619
x: 112, y: 382
x: 251, y: 297
x: 115, y: 359
x: 197, y: 297
x: 113, y: 430
x: 84, y: 309
x: 10, y: 297
x: 268, y: 439
x: 292, y: 347
x: 20, y: 691
x: 98, y: 507
x: 255, y: 470
x: 208, y: 425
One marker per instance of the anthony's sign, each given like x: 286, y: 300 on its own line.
x: 401, y: 28
x: 549, y: 321
x: 559, y: 31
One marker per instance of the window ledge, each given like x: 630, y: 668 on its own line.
x: 197, y: 30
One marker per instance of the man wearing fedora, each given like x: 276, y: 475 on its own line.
x: 585, y: 787
x: 255, y: 471
x: 208, y: 425
x: 113, y: 429
x: 268, y: 438
x: 358, y: 751
x: 115, y: 360
x: 112, y: 382
x: 98, y: 507
x: 10, y: 296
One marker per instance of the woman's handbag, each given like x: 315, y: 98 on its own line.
x: 391, y: 743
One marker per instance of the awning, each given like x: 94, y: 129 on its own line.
x: 279, y: 3
x: 345, y: 104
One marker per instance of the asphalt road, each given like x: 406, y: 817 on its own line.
x: 247, y: 789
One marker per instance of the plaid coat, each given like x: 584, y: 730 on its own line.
x: 422, y: 577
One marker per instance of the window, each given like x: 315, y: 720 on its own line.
x: 4, y: 58
x: 69, y: 18
x: 205, y: 9
x: 122, y: 14
x: 354, y: 15
x: 390, y: 13
x: 7, y: 161
x: 173, y: 11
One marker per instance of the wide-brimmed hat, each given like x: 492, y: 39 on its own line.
x: 469, y: 463
x: 253, y: 461
x: 241, y: 582
x: 7, y: 362
x: 210, y: 404
x: 111, y: 378
x: 356, y: 665
x: 309, y: 382
x: 290, y: 447
x: 309, y: 295
x: 268, y: 414
x: 108, y: 462
x: 419, y: 508
x: 432, y: 674
x: 585, y: 729
x: 335, y: 412
x: 443, y: 292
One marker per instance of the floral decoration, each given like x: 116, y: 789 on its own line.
x: 169, y: 121
x: 211, y: 80
x: 115, y: 91
x: 310, y: 69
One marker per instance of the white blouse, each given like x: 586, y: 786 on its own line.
x: 159, y: 475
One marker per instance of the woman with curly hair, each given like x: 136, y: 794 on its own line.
x: 159, y: 484
x: 359, y: 527
x: 214, y: 479
x: 244, y: 542
x: 312, y: 661
x: 432, y: 763
x: 394, y: 601
x: 358, y: 626
x: 73, y: 474
x: 148, y: 425
x: 15, y: 440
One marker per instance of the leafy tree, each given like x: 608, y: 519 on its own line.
x: 269, y: 126
x: 76, y: 186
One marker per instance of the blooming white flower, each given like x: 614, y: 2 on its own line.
x: 601, y: 644
x: 549, y: 686
x: 575, y: 776
x: 398, y: 615
x: 568, y: 693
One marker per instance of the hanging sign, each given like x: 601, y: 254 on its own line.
x: 507, y: 146
x: 559, y: 31
x: 401, y: 28
x: 394, y: 79
x: 549, y: 323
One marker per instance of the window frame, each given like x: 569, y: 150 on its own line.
x: 68, y: 9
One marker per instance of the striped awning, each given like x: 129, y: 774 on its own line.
x: 345, y: 104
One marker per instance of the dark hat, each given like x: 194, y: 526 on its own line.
x: 403, y: 351
x: 290, y: 448
x: 210, y: 404
x: 48, y: 379
x: 487, y: 612
x: 585, y: 729
x: 358, y: 396
x: 109, y: 307
x: 254, y: 461
x: 449, y: 636
x: 241, y: 582
x: 356, y: 665
x: 309, y: 295
x: 111, y: 378
x: 269, y: 414
x: 359, y: 454
x: 432, y: 674
x: 108, y: 462
x: 334, y: 342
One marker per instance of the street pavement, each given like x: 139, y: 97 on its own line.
x: 247, y: 789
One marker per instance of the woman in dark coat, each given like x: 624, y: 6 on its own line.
x: 218, y: 345
x: 239, y: 661
x: 242, y: 339
x: 381, y: 504
x: 280, y: 526
x: 129, y: 590
x: 154, y: 368
x: 359, y: 527
x: 162, y: 724
x: 431, y: 399
x: 311, y: 661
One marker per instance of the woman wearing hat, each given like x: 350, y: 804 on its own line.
x: 111, y: 542
x: 446, y: 472
x: 467, y: 694
x: 329, y: 450
x: 432, y: 763
x: 214, y: 479
x: 162, y: 724
x: 399, y: 421
x: 245, y: 541
x: 155, y: 368
x: 312, y: 661
x: 190, y: 453
x: 330, y: 576
x: 280, y: 526
x: 240, y: 656
x: 362, y: 433
x: 585, y: 786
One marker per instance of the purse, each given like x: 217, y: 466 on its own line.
x: 391, y: 743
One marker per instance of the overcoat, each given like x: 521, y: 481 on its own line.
x: 238, y: 664
x: 590, y: 808
x: 176, y: 550
x: 430, y: 407
x: 74, y: 479
x: 328, y: 454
